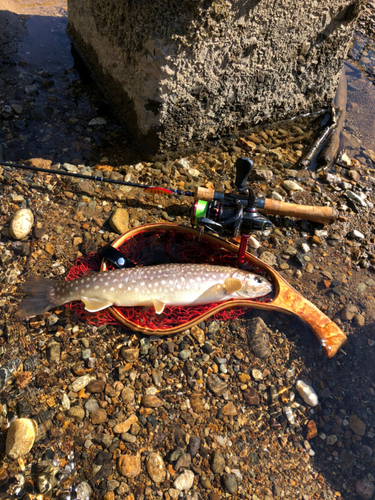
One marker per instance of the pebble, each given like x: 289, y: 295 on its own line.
x: 127, y: 395
x: 197, y: 402
x: 91, y: 405
x: 307, y: 393
x: 20, y: 437
x: 198, y: 334
x: 356, y: 198
x: 359, y: 320
x: 229, y: 409
x: 53, y: 352
x: 251, y: 397
x: 268, y: 258
x: 183, y: 462
x: 217, y: 462
x: 364, y: 488
x: 151, y: 401
x: 356, y: 234
x: 349, y: 311
x: 257, y: 374
x: 184, y: 481
x: 130, y: 355
x: 83, y: 491
x: 119, y: 220
x: 98, y: 416
x: 97, y: 121
x: 65, y: 402
x: 76, y: 412
x: 125, y: 426
x: 156, y: 468
x: 129, y: 465
x: 253, y: 242
x: 312, y: 430
x: 80, y: 383
x: 95, y: 386
x: 216, y: 385
x: 21, y: 224
x: 291, y: 186
x: 230, y: 483
x: 258, y: 338
x: 205, y: 482
x: 357, y: 425
x: 244, y: 378
x: 176, y: 454
x: 194, y: 445
x: 128, y: 438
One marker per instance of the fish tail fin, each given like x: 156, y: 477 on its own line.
x: 40, y: 297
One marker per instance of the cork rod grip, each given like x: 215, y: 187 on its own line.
x: 325, y: 215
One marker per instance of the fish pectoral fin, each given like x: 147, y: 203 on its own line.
x: 158, y: 305
x: 232, y: 285
x: 94, y: 305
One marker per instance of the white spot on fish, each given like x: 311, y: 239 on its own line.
x: 120, y: 286
x: 76, y: 288
x: 96, y: 287
x: 111, y: 289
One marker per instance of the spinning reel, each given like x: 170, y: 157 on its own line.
x: 231, y: 214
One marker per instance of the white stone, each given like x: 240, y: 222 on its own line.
x: 276, y: 196
x: 65, y: 402
x: 184, y: 481
x: 356, y: 234
x: 292, y: 186
x: 81, y: 382
x: 307, y: 393
x: 358, y: 198
x: 194, y: 172
x: 257, y: 374
x: 21, y: 223
x: 183, y: 162
x: 83, y: 491
x: 305, y: 247
x: 253, y: 242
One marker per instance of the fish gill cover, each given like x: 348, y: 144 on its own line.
x: 161, y: 247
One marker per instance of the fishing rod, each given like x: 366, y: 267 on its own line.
x: 223, y: 213
x: 96, y: 178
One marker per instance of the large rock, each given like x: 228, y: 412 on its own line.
x: 178, y: 73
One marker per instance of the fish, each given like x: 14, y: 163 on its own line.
x: 157, y: 286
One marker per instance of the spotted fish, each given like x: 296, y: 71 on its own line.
x: 158, y: 286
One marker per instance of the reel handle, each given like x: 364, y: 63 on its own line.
x: 243, y: 168
x: 325, y: 215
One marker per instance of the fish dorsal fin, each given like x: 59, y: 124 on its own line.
x: 94, y: 305
x: 232, y: 285
x: 158, y: 305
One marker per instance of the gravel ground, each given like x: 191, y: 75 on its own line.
x: 210, y: 413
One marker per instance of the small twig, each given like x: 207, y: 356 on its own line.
x: 316, y: 146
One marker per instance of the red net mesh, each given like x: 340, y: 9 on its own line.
x: 162, y: 247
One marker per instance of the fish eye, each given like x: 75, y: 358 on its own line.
x: 259, y: 279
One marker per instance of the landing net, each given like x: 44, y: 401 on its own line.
x: 163, y: 247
